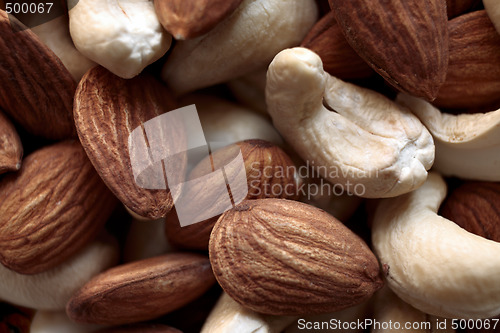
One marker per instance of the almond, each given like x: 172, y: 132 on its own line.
x: 475, y: 206
x: 142, y: 290
x: 107, y: 109
x: 404, y: 41
x: 186, y: 19
x: 270, y: 173
x: 36, y: 90
x: 473, y: 78
x: 283, y: 257
x: 339, y: 59
x: 11, y: 149
x: 51, y: 208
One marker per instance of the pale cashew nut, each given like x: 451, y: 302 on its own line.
x: 52, y: 289
x: 228, y: 316
x: 55, y: 34
x: 123, y: 36
x: 367, y: 143
x: 467, y: 145
x: 493, y: 10
x: 431, y: 263
x: 245, y: 41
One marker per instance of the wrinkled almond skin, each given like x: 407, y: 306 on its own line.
x: 473, y: 78
x: 404, y: 41
x: 339, y: 59
x: 51, y: 208
x: 36, y: 90
x: 186, y: 19
x: 140, y: 328
x: 457, y: 7
x: 142, y: 290
x: 475, y: 206
x: 11, y: 148
x: 106, y: 110
x: 268, y: 168
x: 283, y: 257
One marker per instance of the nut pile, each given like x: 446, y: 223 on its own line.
x: 343, y: 164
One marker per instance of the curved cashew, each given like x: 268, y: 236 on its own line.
x: 52, y: 289
x: 228, y: 316
x: 493, y: 10
x: 245, y: 41
x: 467, y: 145
x: 432, y: 263
x: 389, y: 308
x: 55, y: 34
x: 123, y: 36
x: 367, y: 142
x: 58, y: 322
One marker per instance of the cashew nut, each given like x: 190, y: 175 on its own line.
x: 367, y: 142
x: 55, y: 34
x: 467, y: 145
x: 431, y: 263
x: 245, y: 41
x: 228, y: 316
x: 52, y: 289
x: 123, y: 36
x: 493, y: 10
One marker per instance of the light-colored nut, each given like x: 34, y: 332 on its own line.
x: 227, y: 122
x: 123, y: 37
x: 11, y: 148
x: 247, y: 40
x: 52, y: 289
x: 370, y: 145
x: 467, y: 145
x: 145, y: 239
x: 432, y: 263
x: 55, y: 34
x: 228, y: 316
x: 58, y: 322
x: 53, y: 207
x: 159, y: 285
x: 283, y: 257
x: 402, y: 317
x: 493, y: 9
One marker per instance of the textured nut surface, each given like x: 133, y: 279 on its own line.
x: 107, y: 109
x: 475, y: 206
x: 11, y: 148
x: 186, y: 19
x: 36, y: 90
x: 270, y: 173
x: 473, y: 77
x: 429, y: 259
x: 404, y: 41
x: 142, y: 290
x: 284, y: 257
x: 339, y: 59
x: 51, y: 208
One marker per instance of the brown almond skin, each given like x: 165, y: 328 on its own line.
x: 51, y: 208
x: 106, y: 110
x: 36, y: 90
x: 263, y: 163
x: 11, y: 148
x: 187, y: 19
x: 406, y: 42
x: 473, y: 78
x: 457, y: 7
x: 283, y: 257
x: 142, y: 290
x: 339, y: 59
x: 475, y: 206
x: 140, y: 328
